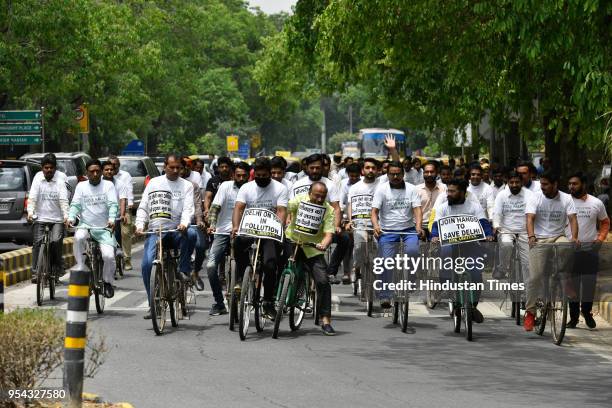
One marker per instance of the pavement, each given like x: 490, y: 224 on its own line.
x: 370, y: 363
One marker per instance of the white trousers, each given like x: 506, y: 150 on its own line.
x: 108, y: 255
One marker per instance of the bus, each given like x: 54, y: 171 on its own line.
x: 372, y: 142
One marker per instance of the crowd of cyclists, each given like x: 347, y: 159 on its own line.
x: 399, y: 202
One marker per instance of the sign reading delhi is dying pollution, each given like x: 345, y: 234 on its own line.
x: 309, y: 218
x: 261, y: 223
x: 457, y: 229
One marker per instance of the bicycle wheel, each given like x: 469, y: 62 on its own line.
x: 467, y: 315
x: 100, y: 300
x: 232, y: 298
x: 297, y: 312
x: 285, y: 282
x: 431, y: 296
x: 455, y: 311
x: 173, y: 294
x: 404, y: 307
x: 246, y: 294
x: 120, y: 264
x: 42, y: 276
x: 182, y: 300
x: 156, y: 299
x: 396, y: 306
x: 369, y: 290
x: 260, y: 320
x: 540, y: 317
x: 52, y: 286
x: 558, y: 311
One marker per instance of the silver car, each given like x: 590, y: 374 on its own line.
x: 15, y: 181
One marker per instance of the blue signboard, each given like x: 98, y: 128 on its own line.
x: 134, y: 148
x: 244, y: 150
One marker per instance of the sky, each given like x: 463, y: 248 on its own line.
x: 273, y: 6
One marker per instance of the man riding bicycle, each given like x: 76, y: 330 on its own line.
x: 313, y: 259
x: 95, y: 203
x: 458, y: 204
x: 125, y: 240
x: 396, y: 217
x: 220, y: 219
x: 48, y: 205
x: 265, y: 193
x: 167, y: 204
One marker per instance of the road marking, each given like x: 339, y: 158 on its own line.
x: 118, y: 296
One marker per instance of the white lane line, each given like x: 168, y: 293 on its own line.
x: 118, y: 296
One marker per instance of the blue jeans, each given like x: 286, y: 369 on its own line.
x: 467, y: 250
x: 184, y: 242
x: 200, y: 248
x: 219, y: 247
x: 388, y: 248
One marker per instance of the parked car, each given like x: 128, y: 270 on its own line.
x: 15, y: 181
x: 142, y: 169
x: 73, y: 164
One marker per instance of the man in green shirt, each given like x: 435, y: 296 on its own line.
x: 312, y: 222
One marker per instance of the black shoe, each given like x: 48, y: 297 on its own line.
x: 588, y: 319
x: 109, y: 292
x: 148, y: 315
x: 328, y: 330
x: 333, y: 280
x: 477, y: 316
x: 269, y: 311
x: 572, y: 324
x: 199, y: 283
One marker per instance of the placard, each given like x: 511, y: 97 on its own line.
x: 301, y: 190
x: 309, y: 218
x: 361, y: 208
x: 160, y: 204
x: 261, y: 223
x: 458, y: 229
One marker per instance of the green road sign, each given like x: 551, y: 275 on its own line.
x: 19, y: 128
x: 20, y: 115
x: 19, y: 139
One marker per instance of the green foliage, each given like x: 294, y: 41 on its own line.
x: 334, y: 143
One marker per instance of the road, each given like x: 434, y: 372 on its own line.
x: 370, y: 363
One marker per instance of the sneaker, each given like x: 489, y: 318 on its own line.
x: 199, y: 283
x: 217, y: 310
x: 572, y: 324
x: 477, y: 316
x: 269, y: 311
x: 127, y: 265
x: 109, y: 292
x: 588, y: 319
x: 328, y: 330
x: 333, y: 280
x: 308, y: 309
x: 385, y: 303
x: 148, y: 315
x: 346, y: 280
x: 529, y: 321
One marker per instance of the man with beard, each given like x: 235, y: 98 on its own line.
x: 481, y: 190
x: 548, y: 212
x: 590, y: 213
x: 220, y: 219
x: 511, y: 225
x: 396, y: 218
x: 429, y: 192
x: 225, y: 167
x: 265, y: 193
x: 314, y: 169
x: 359, y: 209
x: 458, y: 204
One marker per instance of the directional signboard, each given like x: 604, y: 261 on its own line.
x: 244, y: 151
x: 21, y: 127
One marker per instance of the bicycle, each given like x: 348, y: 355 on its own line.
x: 401, y: 301
x: 46, y: 272
x: 366, y: 274
x: 165, y: 287
x: 119, y: 264
x: 294, y: 293
x: 514, y: 297
x: 232, y: 294
x: 250, y: 294
x: 554, y: 304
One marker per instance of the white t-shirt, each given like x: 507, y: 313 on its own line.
x: 509, y: 211
x: 126, y: 179
x: 205, y: 176
x: 287, y: 184
x: 497, y: 190
x: 226, y: 199
x: 291, y: 176
x: 486, y: 197
x: 395, y: 206
x: 383, y: 178
x: 94, y: 203
x: 195, y: 177
x: 270, y: 197
x: 550, y: 214
x: 344, y: 189
x: 469, y: 207
x: 303, y: 185
x: 166, y: 203
x: 413, y: 176
x: 588, y: 212
x: 122, y: 193
x: 47, y: 198
x: 534, y: 187
x: 360, y: 197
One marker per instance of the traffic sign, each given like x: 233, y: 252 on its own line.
x: 19, y: 139
x: 256, y: 141
x: 134, y: 148
x: 18, y: 128
x: 232, y: 143
x: 82, y: 116
x: 20, y: 115
x: 245, y: 150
